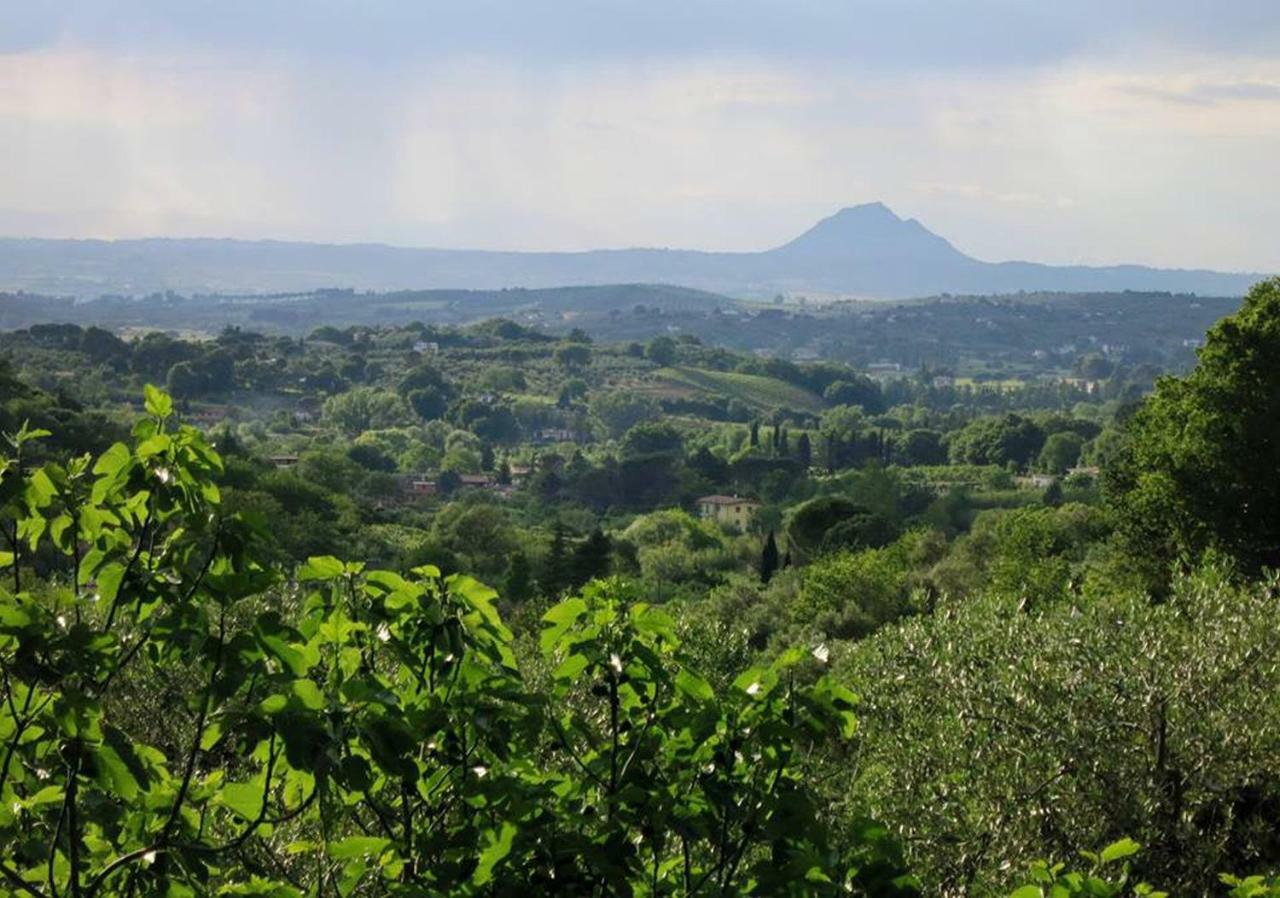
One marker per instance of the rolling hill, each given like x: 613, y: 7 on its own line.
x: 861, y: 251
x: 757, y: 391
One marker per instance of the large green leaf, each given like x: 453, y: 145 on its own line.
x: 245, y: 799
x: 559, y: 619
x: 357, y: 846
x: 694, y: 686
x: 497, y: 847
x: 1119, y: 849
x: 158, y: 403
x: 309, y: 694
x: 321, y: 567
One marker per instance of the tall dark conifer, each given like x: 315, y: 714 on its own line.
x: 556, y: 572
x: 519, y: 581
x: 804, y: 451
x: 591, y: 559
x: 768, y: 558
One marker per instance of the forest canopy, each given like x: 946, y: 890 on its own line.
x: 892, y: 642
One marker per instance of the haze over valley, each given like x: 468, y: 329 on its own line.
x: 863, y: 251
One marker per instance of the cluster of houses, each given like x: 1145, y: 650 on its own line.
x: 302, y: 408
x: 421, y: 486
x: 732, y: 511
x: 1044, y: 481
x: 548, y: 435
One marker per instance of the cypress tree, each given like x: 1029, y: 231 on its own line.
x: 519, y: 581
x: 556, y: 575
x: 755, y: 434
x: 768, y: 558
x: 1052, y: 494
x: 804, y: 451
x: 591, y: 559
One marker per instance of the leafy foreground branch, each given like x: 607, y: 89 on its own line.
x: 1108, y: 876
x: 177, y: 718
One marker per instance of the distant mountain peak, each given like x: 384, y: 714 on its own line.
x: 864, y: 212
x: 870, y: 229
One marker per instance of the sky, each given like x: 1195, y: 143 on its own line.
x: 1081, y: 132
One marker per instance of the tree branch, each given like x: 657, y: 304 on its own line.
x: 18, y: 882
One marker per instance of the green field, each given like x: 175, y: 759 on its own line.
x: 753, y: 389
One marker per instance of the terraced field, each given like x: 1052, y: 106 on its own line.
x: 755, y: 390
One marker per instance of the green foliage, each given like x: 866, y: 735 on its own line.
x: 1104, y: 878
x: 365, y: 408
x: 804, y: 451
x: 652, y: 438
x: 678, y: 554
x: 1252, y: 886
x: 573, y: 356
x: 617, y: 412
x: 665, y: 528
x: 661, y: 351
x: 990, y: 731
x: 850, y: 594
x: 754, y: 390
x: 920, y: 447
x: 481, y: 533
x: 1011, y: 439
x: 860, y: 391
x: 592, y: 558
x: 1198, y: 468
x: 691, y: 787
x: 1060, y: 451
x: 519, y: 585
x: 768, y: 558
x: 831, y: 523
x: 353, y: 731
x: 220, y: 722
x: 557, y: 574
x: 1031, y: 555
x: 504, y: 379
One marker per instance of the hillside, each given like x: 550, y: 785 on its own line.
x: 757, y: 391
x: 301, y: 312
x: 861, y: 251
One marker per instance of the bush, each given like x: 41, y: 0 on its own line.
x: 990, y: 731
x: 181, y: 719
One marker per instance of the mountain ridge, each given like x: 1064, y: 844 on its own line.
x: 864, y: 250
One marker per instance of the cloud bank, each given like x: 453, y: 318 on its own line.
x: 1087, y: 134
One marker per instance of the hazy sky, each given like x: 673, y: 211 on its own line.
x: 1049, y: 130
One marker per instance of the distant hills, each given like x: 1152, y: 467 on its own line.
x: 861, y: 251
x: 647, y: 307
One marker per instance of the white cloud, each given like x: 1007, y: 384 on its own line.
x: 1097, y: 161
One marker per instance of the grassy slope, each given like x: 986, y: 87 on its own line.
x: 757, y: 391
